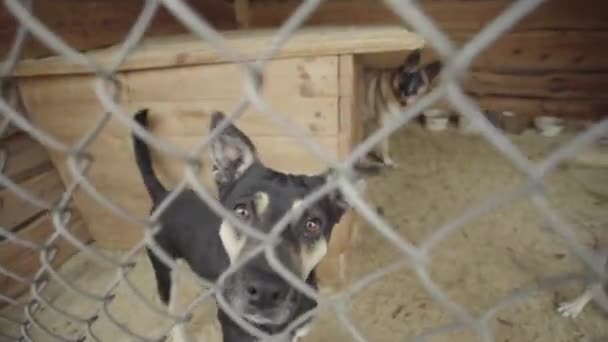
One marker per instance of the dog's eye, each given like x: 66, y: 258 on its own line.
x: 241, y: 211
x: 312, y: 227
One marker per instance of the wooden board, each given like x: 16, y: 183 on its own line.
x: 26, y: 262
x: 293, y: 77
x: 58, y: 90
x: 540, y: 35
x: 188, y: 50
x: 563, y: 51
x: 333, y: 270
x: 315, y: 116
x: 302, y: 77
x: 449, y: 15
x: 14, y: 211
x: 533, y: 52
x: 93, y: 24
x: 25, y: 157
x: 548, y: 85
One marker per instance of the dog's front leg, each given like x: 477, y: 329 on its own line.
x: 300, y: 333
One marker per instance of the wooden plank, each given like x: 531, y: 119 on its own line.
x: 92, y: 24
x: 188, y: 50
x: 46, y: 186
x: 449, y: 15
x: 533, y: 52
x: 346, y: 75
x: 558, y: 85
x: 333, y: 270
x: 63, y: 90
x: 316, y: 116
x: 303, y: 77
x: 10, y: 92
x: 25, y: 157
x: 559, y: 35
x: 563, y: 51
x: 350, y: 116
x: 26, y: 262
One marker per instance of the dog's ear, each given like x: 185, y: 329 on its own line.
x: 411, y: 62
x: 431, y: 70
x: 232, y: 151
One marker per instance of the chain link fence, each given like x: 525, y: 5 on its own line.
x: 416, y: 257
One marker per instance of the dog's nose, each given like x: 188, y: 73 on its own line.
x: 265, y: 294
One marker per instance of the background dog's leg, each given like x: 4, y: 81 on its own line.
x: 384, y: 148
x: 573, y: 308
x: 178, y: 332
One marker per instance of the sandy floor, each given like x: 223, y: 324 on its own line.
x: 441, y: 175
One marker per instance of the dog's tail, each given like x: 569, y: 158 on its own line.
x: 142, y: 157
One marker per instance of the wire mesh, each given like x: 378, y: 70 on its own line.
x: 457, y: 63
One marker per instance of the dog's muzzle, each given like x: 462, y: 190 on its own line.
x: 262, y: 297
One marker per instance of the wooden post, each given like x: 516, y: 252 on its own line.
x: 333, y: 272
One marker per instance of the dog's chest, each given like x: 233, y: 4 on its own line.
x: 378, y: 99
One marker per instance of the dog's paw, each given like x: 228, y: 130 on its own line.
x: 571, y: 309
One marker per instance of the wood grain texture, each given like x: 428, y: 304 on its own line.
x: 93, y: 24
x: 25, y: 157
x: 333, y: 269
x: 449, y: 15
x: 555, y: 53
x: 293, y: 77
x: 188, y: 50
x: 46, y: 186
x: 522, y: 52
x: 58, y: 90
x: 564, y: 51
x: 547, y: 85
x: 26, y: 262
x: 315, y: 116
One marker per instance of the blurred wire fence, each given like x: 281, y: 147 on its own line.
x: 457, y: 62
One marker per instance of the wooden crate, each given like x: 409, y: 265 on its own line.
x: 313, y: 80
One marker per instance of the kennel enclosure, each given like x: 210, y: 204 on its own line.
x: 313, y: 79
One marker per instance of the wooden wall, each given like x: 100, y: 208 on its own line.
x: 553, y: 62
x: 92, y: 24
x: 29, y: 166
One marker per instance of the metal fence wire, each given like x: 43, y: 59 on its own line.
x: 457, y: 62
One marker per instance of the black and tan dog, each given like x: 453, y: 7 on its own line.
x: 387, y: 92
x: 259, y: 196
